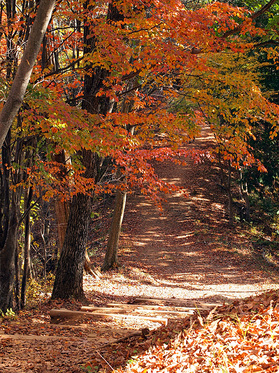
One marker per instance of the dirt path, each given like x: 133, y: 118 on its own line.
x: 188, y: 251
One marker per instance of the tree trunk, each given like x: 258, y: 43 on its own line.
x: 110, y: 260
x: 21, y: 80
x: 62, y: 217
x: 61, y: 207
x: 9, y: 213
x: 7, y: 261
x: 17, y: 281
x: 62, y: 214
x: 231, y: 216
x: 245, y: 195
x: 69, y: 275
x: 27, y: 241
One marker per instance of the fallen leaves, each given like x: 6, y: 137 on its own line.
x: 240, y: 338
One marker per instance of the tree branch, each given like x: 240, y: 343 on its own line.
x: 268, y: 42
x: 252, y: 17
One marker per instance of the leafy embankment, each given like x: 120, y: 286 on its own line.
x: 240, y: 337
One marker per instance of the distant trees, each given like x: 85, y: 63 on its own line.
x: 263, y: 186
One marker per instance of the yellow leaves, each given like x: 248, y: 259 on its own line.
x: 228, y: 95
x: 272, y: 54
x: 273, y: 134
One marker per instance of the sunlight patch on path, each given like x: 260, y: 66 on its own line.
x: 186, y: 251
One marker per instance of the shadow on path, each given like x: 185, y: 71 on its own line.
x: 188, y: 249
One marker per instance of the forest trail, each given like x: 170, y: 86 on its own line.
x: 186, y: 255
x: 188, y: 251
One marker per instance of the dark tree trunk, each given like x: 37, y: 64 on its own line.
x: 7, y: 262
x: 69, y: 275
x: 231, y: 216
x: 26, y: 265
x: 9, y: 212
x: 110, y: 260
x: 17, y: 281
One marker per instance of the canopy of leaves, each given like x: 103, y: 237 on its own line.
x: 152, y: 56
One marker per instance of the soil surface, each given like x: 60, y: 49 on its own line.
x: 184, y: 255
x: 187, y: 250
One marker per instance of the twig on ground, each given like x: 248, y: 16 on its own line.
x: 105, y: 360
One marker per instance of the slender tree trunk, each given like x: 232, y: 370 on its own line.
x: 245, y: 195
x: 45, y: 231
x: 27, y: 241
x: 222, y: 173
x: 230, y: 194
x: 17, y: 280
x: 7, y: 260
x: 110, y: 260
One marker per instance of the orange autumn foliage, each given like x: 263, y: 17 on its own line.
x: 173, y: 68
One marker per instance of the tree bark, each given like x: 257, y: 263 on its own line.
x: 9, y: 212
x: 27, y: 241
x: 17, y: 281
x: 62, y: 217
x: 7, y: 260
x: 21, y: 80
x: 231, y: 216
x: 245, y: 195
x: 111, y: 260
x: 69, y: 275
x: 61, y: 207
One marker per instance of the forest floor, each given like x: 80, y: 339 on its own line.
x: 185, y: 255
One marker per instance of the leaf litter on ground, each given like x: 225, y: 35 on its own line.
x: 239, y: 337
